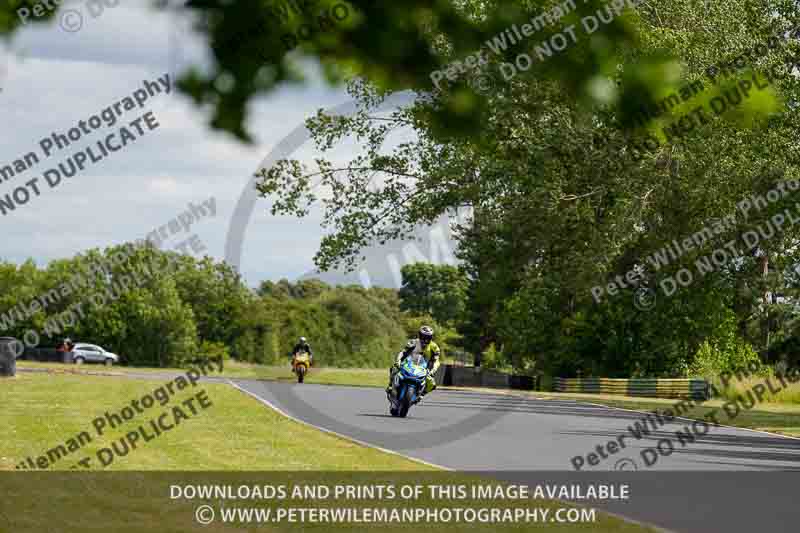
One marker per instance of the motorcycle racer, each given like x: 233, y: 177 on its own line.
x: 302, y: 346
x: 425, y: 346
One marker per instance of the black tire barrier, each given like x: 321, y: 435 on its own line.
x: 44, y: 355
x: 469, y: 376
x: 8, y: 357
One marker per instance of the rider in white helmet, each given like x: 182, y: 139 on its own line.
x: 302, y: 346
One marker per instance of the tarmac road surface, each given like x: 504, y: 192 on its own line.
x: 721, y: 479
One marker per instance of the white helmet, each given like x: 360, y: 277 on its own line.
x: 425, y: 335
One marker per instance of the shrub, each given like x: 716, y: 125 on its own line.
x: 493, y: 359
x: 716, y: 356
x: 212, y: 352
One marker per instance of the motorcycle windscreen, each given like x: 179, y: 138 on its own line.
x: 416, y: 365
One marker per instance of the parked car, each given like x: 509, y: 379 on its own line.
x: 91, y: 353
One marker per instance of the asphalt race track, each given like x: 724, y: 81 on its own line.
x: 715, y: 483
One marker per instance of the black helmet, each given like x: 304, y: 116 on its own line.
x: 425, y: 335
x: 302, y: 340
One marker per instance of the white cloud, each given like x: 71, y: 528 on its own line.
x: 55, y: 78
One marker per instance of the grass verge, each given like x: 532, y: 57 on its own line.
x: 41, y: 411
x: 366, y: 377
x: 233, y: 433
x: 778, y: 413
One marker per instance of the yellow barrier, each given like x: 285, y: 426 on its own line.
x: 653, y: 388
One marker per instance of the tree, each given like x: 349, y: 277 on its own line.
x: 216, y: 295
x: 281, y: 289
x: 161, y: 329
x: 565, y: 199
x: 435, y: 290
x: 397, y: 46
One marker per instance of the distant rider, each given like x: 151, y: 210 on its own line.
x: 66, y: 345
x: 65, y: 348
x: 424, y: 345
x: 303, y: 347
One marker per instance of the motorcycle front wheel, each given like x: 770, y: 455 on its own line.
x: 301, y: 374
x: 405, y: 402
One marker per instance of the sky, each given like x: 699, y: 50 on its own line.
x: 51, y: 78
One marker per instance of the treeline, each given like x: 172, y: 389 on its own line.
x: 519, y: 326
x: 159, y: 308
x: 571, y: 204
x: 346, y: 326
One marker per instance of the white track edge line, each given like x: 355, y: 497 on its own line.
x: 426, y: 463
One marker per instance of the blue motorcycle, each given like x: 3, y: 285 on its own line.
x: 407, y: 385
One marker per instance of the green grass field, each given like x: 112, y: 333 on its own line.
x: 777, y: 414
x: 367, y: 377
x: 235, y: 433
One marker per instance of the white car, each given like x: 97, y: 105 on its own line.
x: 91, y: 353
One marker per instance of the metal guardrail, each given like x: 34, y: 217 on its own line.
x: 697, y: 389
